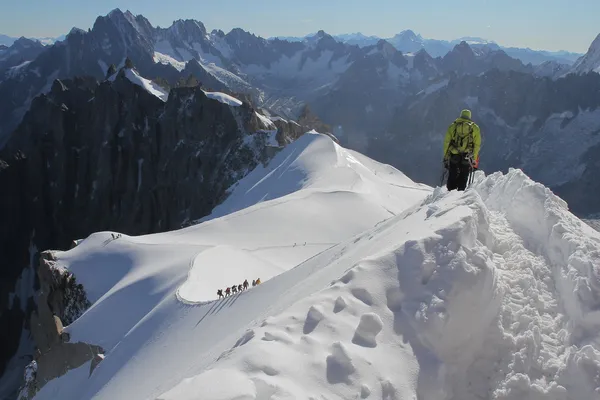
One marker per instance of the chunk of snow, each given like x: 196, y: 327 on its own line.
x: 17, y: 70
x: 278, y: 119
x: 267, y: 123
x: 224, y: 98
x: 147, y: 84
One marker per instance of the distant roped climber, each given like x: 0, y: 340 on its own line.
x: 461, y: 150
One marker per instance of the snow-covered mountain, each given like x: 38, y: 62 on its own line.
x: 590, y: 61
x: 365, y: 96
x: 271, y: 71
x: 426, y: 294
x: 546, y: 127
x: 408, y: 42
x: 280, y: 75
x: 14, y: 58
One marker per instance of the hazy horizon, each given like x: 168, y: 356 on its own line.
x: 491, y: 21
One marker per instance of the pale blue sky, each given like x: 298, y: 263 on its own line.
x: 539, y: 24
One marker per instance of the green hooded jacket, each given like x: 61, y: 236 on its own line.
x: 463, y: 142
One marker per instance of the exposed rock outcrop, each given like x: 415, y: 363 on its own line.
x: 59, y: 295
x: 60, y: 298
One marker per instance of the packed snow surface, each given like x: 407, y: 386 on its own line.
x: 224, y: 98
x: 373, y: 287
x: 147, y: 84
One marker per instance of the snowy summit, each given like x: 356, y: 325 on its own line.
x: 372, y: 286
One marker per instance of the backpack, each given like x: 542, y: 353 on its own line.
x: 462, y: 137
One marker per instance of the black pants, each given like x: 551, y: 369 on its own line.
x: 458, y: 173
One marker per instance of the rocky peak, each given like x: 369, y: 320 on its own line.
x: 551, y: 69
x: 500, y: 60
x: 407, y: 41
x: 425, y: 63
x: 407, y: 35
x: 75, y: 32
x: 204, y: 78
x: 324, y: 41
x: 463, y: 49
x: 131, y: 28
x: 238, y: 37
x: 424, y: 55
x: 249, y: 48
x: 23, y: 44
x: 218, y: 33
x: 384, y: 47
x: 188, y: 30
x: 595, y: 46
x: 461, y: 59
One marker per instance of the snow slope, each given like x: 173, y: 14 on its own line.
x: 590, y: 61
x: 147, y: 84
x: 374, y: 287
x: 224, y: 98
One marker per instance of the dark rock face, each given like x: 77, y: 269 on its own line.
x: 95, y: 142
x: 461, y: 58
x: 92, y: 156
x: 54, y: 356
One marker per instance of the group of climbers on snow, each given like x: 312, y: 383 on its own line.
x: 461, y: 151
x: 237, y: 288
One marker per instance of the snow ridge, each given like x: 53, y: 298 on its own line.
x: 147, y: 84
x: 489, y: 293
x: 224, y: 98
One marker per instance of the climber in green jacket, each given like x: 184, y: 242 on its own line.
x: 461, y: 150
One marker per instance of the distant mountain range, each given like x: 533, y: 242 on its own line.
x: 46, y: 41
x: 409, y: 42
x: 280, y: 75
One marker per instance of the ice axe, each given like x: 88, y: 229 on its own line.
x: 444, y: 174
